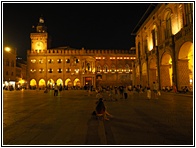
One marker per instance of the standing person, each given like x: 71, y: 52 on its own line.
x: 55, y: 90
x: 121, y: 91
x: 125, y: 91
x: 60, y: 89
x: 155, y: 89
x: 116, y: 93
x: 148, y: 92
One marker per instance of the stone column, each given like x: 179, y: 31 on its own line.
x: 183, y: 73
x: 164, y: 75
x: 152, y: 76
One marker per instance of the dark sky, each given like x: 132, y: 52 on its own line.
x: 95, y: 25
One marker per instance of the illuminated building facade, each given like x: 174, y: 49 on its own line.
x: 9, y: 67
x: 75, y: 67
x: 164, y: 47
x: 21, y: 73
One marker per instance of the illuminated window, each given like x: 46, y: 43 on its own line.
x: 113, y: 69
x: 112, y: 58
x: 98, y: 68
x: 41, y: 70
x: 103, y: 58
x: 68, y: 70
x: 77, y: 60
x: 59, y: 70
x: 59, y: 60
x: 168, y: 29
x: 50, y: 61
x: 105, y: 69
x: 50, y: 70
x: 67, y: 60
x: 33, y: 61
x: 76, y: 70
x: 33, y: 70
x: 120, y: 70
x: 127, y: 69
x: 41, y: 61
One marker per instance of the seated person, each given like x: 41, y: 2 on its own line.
x: 101, y: 109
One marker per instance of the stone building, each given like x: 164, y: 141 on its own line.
x: 75, y: 67
x: 164, y: 47
x: 21, y: 73
x: 9, y: 67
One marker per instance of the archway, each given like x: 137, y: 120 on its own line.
x: 166, y: 71
x: 59, y: 82
x: 33, y: 84
x: 77, y: 82
x: 153, y: 74
x: 68, y: 82
x: 185, y: 66
x: 144, y: 75
x: 50, y: 83
x: 42, y: 83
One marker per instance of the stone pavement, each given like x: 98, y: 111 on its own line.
x: 31, y: 117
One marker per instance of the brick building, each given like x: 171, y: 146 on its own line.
x: 75, y: 67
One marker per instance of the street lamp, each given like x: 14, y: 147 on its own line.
x: 8, y: 49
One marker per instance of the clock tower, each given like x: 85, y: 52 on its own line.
x: 39, y: 38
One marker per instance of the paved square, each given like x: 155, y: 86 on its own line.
x: 32, y: 117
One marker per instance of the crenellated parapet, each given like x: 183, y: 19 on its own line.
x: 61, y: 51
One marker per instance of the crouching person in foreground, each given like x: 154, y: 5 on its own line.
x: 101, y: 109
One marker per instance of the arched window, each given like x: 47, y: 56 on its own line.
x: 88, y: 67
x: 113, y: 68
x: 105, y: 69
x: 127, y: 69
x: 98, y: 68
x: 188, y: 13
x: 154, y: 36
x: 168, y: 29
x: 120, y: 70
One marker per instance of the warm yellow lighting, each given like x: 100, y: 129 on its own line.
x: 8, y: 49
x: 21, y: 81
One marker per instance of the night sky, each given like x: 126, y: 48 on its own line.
x: 95, y: 25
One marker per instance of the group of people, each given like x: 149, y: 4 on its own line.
x: 57, y: 89
x: 113, y: 93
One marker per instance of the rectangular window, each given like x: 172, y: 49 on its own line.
x: 50, y: 70
x: 59, y: 70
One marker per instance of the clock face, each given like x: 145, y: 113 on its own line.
x: 39, y: 44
